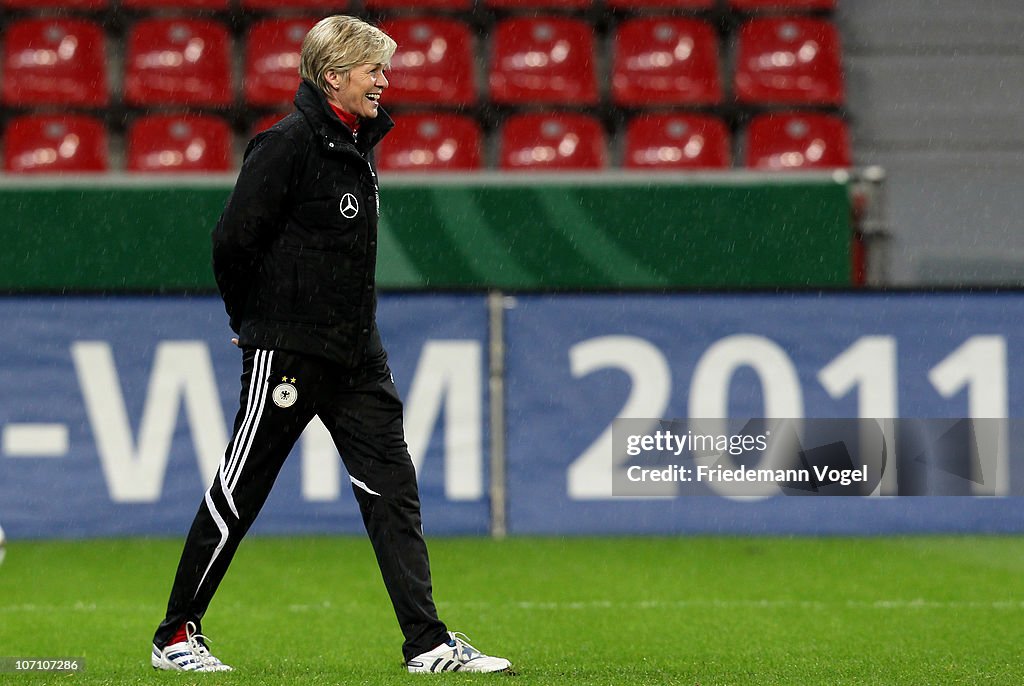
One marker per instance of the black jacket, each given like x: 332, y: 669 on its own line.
x: 295, y: 251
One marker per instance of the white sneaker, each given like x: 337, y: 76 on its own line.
x: 190, y: 655
x: 456, y: 655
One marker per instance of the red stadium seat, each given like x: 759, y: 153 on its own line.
x: 54, y: 62
x: 674, y: 142
x: 546, y: 60
x: 781, y: 5
x: 789, y: 60
x: 389, y: 5
x: 665, y: 61
x: 178, y: 62
x: 661, y: 4
x: 179, y: 143
x: 213, y: 5
x: 431, y: 142
x: 545, y: 4
x: 323, y: 7
x: 75, y: 5
x: 265, y: 122
x: 55, y: 144
x: 272, y: 60
x: 782, y: 142
x: 434, y: 63
x: 556, y: 142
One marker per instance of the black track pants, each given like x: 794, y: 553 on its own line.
x: 281, y: 393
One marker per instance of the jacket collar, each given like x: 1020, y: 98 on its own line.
x: 312, y: 103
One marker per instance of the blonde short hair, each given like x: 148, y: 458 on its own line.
x: 342, y: 43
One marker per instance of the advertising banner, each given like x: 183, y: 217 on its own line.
x: 622, y: 414
x: 115, y: 414
x: 598, y: 385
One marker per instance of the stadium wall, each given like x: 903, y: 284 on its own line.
x: 115, y: 410
x: 935, y: 98
x: 599, y: 231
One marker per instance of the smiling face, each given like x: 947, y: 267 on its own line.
x: 357, y: 91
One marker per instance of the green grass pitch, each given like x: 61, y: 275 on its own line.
x: 919, y: 610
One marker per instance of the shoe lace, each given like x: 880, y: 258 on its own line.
x: 197, y: 647
x: 464, y: 650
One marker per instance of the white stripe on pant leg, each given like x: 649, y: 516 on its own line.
x: 228, y: 497
x: 256, y: 388
x: 233, y: 479
x: 257, y: 392
x: 254, y: 381
x: 223, y: 528
x: 362, y: 485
